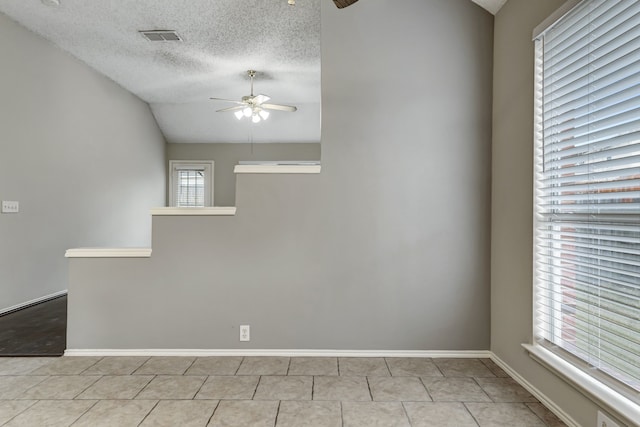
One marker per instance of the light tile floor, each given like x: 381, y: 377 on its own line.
x: 263, y: 391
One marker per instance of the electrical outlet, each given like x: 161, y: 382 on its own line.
x: 605, y: 421
x: 245, y: 333
x: 10, y: 206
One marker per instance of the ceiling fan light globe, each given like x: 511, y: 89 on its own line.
x: 247, y: 112
x: 239, y: 115
x: 255, y: 118
x: 264, y: 114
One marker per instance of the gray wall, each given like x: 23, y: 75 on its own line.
x: 226, y: 156
x: 83, y: 157
x: 387, y: 248
x: 512, y: 214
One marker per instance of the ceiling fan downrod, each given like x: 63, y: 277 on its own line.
x: 252, y: 74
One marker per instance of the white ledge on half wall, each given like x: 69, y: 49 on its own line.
x: 275, y: 167
x: 211, y: 211
x: 108, y: 253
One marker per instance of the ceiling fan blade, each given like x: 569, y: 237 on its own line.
x: 239, y: 107
x: 344, y: 3
x: 259, y: 99
x: 228, y: 100
x: 288, y: 108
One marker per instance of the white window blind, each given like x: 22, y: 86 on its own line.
x: 191, y: 184
x: 190, y: 188
x: 587, y: 190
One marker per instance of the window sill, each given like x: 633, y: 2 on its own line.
x: 209, y: 211
x: 595, y: 390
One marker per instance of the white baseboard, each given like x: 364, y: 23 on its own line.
x: 282, y: 353
x: 560, y: 413
x: 32, y: 302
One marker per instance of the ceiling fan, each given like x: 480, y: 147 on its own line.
x: 340, y: 3
x: 254, y: 106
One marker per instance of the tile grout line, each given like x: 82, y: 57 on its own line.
x: 153, y: 377
x: 87, y: 387
x: 277, y: 413
x: 483, y: 390
x: 386, y: 363
x: 149, y: 413
x: 239, y: 365
x: 256, y: 389
x: 24, y: 410
x: 534, y: 413
x: 493, y: 367
x: 141, y: 365
x: 21, y: 374
x: 91, y: 366
x: 44, y: 378
x: 85, y: 412
x: 190, y: 365
x: 464, y: 404
x: 288, y: 367
x: 206, y: 378
x: 369, y: 387
x: 426, y: 388
x: 214, y: 412
x: 438, y: 367
x: 406, y: 414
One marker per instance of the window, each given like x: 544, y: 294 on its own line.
x: 587, y: 190
x: 191, y: 183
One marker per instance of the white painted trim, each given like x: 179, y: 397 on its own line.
x: 32, y: 302
x: 597, y: 391
x: 279, y: 162
x: 282, y: 353
x: 560, y: 413
x: 304, y: 169
x: 208, y: 211
x: 108, y: 253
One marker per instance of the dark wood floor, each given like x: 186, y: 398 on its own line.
x: 39, y: 330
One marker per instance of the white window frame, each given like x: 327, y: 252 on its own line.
x: 598, y: 387
x: 207, y: 166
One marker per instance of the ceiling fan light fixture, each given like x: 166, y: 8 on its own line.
x: 254, y: 106
x: 291, y: 2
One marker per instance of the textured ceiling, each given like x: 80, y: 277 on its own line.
x: 222, y: 39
